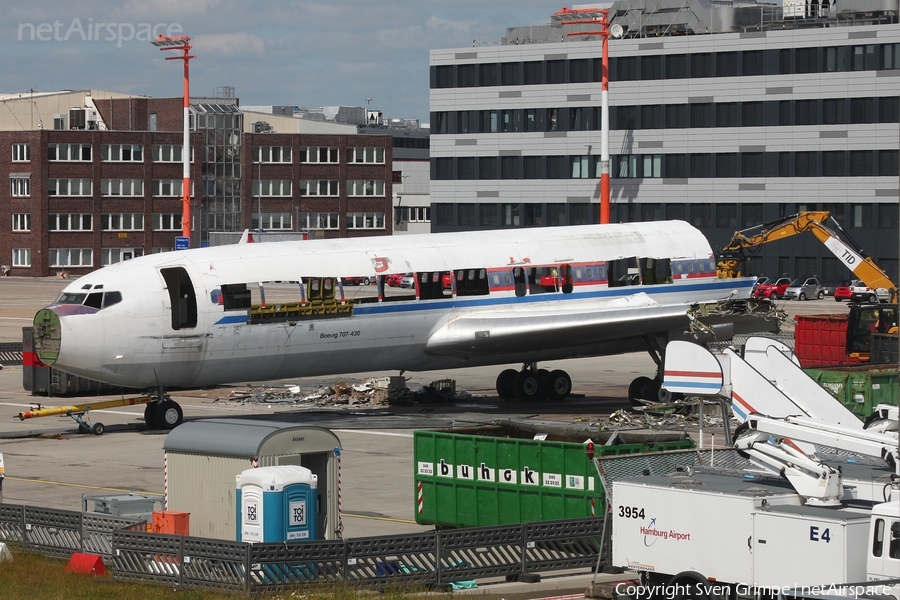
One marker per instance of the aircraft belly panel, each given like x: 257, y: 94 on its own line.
x: 310, y: 348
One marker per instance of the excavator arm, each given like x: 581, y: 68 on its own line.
x: 732, y: 255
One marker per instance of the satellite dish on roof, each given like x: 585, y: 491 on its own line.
x: 616, y: 31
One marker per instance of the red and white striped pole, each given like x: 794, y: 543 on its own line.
x: 165, y: 481
x: 421, y: 499
x: 182, y: 42
x: 589, y: 16
x: 604, y: 119
x: 340, y: 521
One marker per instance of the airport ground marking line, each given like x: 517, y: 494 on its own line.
x: 111, y: 489
x: 387, y: 433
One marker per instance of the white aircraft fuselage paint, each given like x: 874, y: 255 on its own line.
x: 133, y: 342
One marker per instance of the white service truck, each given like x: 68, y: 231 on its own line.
x: 792, y: 521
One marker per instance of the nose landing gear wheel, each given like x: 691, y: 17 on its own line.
x: 168, y: 415
x: 150, y: 414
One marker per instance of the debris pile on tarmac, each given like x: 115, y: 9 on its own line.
x: 672, y: 415
x: 374, y: 392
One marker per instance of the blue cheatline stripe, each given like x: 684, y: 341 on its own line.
x: 482, y: 301
x: 740, y: 413
x: 229, y: 319
x: 692, y: 384
x: 392, y: 307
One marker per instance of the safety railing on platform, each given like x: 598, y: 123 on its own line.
x: 433, y: 558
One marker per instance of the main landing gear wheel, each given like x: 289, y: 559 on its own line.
x: 168, y: 415
x: 526, y: 386
x: 505, y: 384
x: 559, y: 385
x: 531, y: 384
x: 642, y: 390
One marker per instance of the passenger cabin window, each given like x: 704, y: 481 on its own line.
x: 521, y: 283
x: 432, y: 285
x: 541, y: 280
x: 565, y: 279
x: 624, y: 271
x: 471, y: 282
x: 236, y: 296
x: 181, y: 296
x: 656, y: 270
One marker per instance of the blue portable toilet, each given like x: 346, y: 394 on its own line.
x: 276, y: 504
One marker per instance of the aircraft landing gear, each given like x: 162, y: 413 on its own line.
x: 163, y: 413
x: 532, y: 383
x: 644, y: 390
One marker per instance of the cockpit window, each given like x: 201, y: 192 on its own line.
x: 110, y: 298
x: 70, y: 298
x: 94, y: 300
x: 97, y: 299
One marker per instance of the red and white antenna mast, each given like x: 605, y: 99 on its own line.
x: 182, y: 42
x: 597, y: 16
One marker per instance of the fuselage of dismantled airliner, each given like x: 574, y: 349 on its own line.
x: 209, y: 315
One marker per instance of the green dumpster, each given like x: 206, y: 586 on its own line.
x: 473, y: 480
x: 859, y: 387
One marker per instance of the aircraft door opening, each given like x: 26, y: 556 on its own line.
x: 182, y: 297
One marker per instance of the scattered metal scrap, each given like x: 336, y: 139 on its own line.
x: 679, y: 414
x: 376, y: 391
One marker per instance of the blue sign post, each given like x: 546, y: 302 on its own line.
x: 182, y: 242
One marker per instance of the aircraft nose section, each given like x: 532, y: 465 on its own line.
x: 47, y: 334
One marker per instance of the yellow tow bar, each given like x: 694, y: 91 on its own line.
x: 78, y: 411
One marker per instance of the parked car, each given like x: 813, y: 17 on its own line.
x: 408, y: 281
x: 844, y: 289
x: 394, y: 279
x: 859, y: 292
x: 803, y: 289
x: 772, y: 289
x: 356, y: 280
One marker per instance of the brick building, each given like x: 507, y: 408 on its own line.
x: 104, y: 185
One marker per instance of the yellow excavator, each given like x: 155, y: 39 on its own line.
x: 864, y: 319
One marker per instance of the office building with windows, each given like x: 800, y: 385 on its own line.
x: 104, y: 183
x: 727, y: 115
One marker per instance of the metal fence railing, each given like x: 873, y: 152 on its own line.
x: 59, y: 533
x: 433, y: 558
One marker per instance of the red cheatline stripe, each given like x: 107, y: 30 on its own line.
x: 742, y: 402
x: 692, y: 374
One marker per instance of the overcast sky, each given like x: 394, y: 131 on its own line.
x: 299, y: 52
